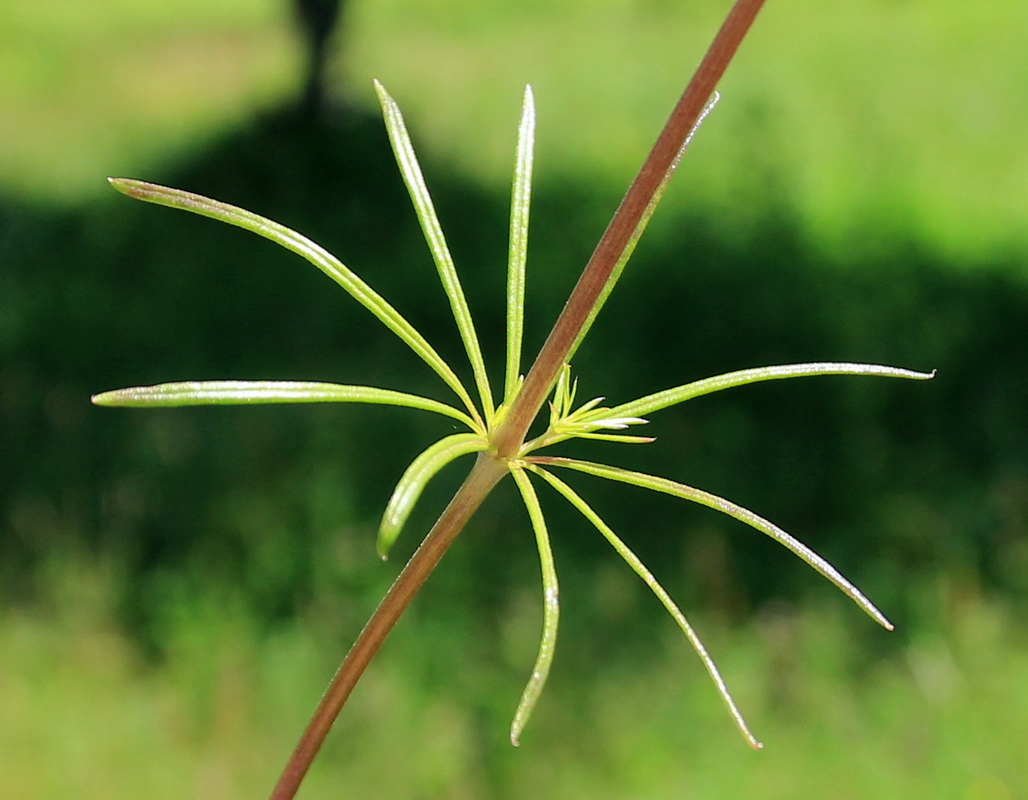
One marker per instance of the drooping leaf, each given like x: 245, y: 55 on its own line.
x: 709, y: 500
x: 672, y: 608
x: 551, y: 608
x: 421, y: 470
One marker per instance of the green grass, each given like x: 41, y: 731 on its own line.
x: 940, y: 715
x: 876, y: 122
x: 107, y: 86
x: 883, y: 122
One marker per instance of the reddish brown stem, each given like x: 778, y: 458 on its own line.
x: 490, y: 468
x: 486, y: 473
x: 683, y: 118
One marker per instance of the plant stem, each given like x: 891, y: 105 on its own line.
x: 486, y: 473
x: 510, y: 436
x: 616, y: 238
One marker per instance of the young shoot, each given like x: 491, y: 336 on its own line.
x: 494, y: 430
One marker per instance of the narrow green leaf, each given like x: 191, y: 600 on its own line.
x: 315, y: 254
x: 520, y: 202
x: 640, y: 227
x: 731, y: 509
x: 679, y: 394
x: 615, y: 437
x: 648, y: 578
x: 564, y: 391
x: 422, y: 200
x: 414, y: 479
x: 207, y: 393
x: 551, y: 609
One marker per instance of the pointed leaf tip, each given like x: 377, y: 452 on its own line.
x: 551, y: 608
x: 123, y: 185
x: 380, y: 90
x: 421, y: 470
x: 670, y: 606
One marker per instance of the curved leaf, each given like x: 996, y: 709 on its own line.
x: 679, y: 394
x: 421, y: 470
x: 648, y: 578
x: 412, y: 176
x: 314, y: 253
x: 551, y: 609
x: 731, y: 509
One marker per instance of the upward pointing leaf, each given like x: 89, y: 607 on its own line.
x: 521, y: 194
x: 314, y: 253
x: 415, y: 181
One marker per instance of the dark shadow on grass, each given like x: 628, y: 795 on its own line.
x: 896, y: 482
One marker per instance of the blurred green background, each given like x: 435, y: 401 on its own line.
x: 177, y: 586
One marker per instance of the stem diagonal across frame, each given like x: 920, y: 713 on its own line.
x: 498, y: 434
